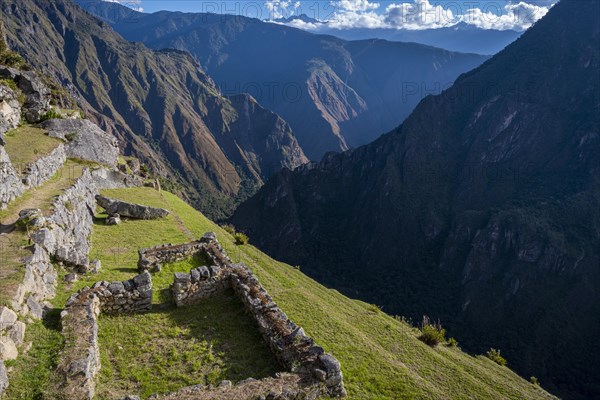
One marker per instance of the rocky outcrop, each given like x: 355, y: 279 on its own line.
x: 86, y: 140
x: 44, y: 168
x: 11, y: 186
x: 37, y: 94
x: 130, y: 210
x: 80, y: 359
x: 113, y: 179
x: 10, y: 111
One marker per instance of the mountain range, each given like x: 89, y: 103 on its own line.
x: 161, y: 106
x: 335, y: 94
x: 461, y: 37
x: 481, y: 209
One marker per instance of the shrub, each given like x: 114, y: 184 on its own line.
x: 495, y: 356
x: 432, y: 333
x: 12, y: 59
x: 452, y: 342
x: 229, y: 229
x: 534, y: 381
x: 52, y: 114
x: 240, y: 238
x: 10, y: 83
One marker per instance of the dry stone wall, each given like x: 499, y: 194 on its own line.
x: 297, y: 352
x: 80, y: 360
x: 151, y: 259
x: 38, y: 172
x: 11, y: 186
x: 200, y: 283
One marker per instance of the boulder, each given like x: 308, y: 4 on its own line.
x: 8, y: 349
x: 70, y: 278
x: 29, y: 215
x: 130, y: 210
x: 95, y: 266
x: 114, y: 219
x: 7, y: 318
x: 86, y: 140
x: 17, y: 332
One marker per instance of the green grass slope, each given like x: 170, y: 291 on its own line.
x: 381, y: 356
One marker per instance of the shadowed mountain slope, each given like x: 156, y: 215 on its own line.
x: 482, y: 209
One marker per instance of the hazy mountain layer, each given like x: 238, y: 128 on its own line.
x: 335, y: 94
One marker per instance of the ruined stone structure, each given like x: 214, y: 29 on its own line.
x: 11, y: 186
x: 80, y: 360
x: 38, y: 172
x: 319, y: 374
x: 152, y: 258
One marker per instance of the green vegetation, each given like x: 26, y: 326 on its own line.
x: 52, y: 114
x: 432, y: 333
x: 27, y: 144
x: 496, y: 357
x: 241, y: 238
x: 9, y: 83
x: 8, y: 57
x: 381, y: 356
x: 35, y: 378
x: 452, y: 342
x: 534, y: 381
x: 172, y: 348
x: 229, y: 228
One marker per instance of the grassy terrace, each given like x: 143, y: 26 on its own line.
x: 27, y: 144
x: 13, y: 249
x: 381, y: 356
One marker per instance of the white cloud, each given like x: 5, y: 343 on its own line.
x: 133, y: 4
x: 281, y: 8
x: 355, y: 5
x: 517, y: 16
x: 419, y: 14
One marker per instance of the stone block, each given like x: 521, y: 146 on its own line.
x: 7, y: 318
x: 8, y: 349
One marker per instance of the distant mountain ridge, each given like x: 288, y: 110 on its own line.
x: 160, y: 104
x: 460, y: 37
x: 334, y: 94
x: 482, y: 209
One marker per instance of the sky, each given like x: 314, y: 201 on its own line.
x: 370, y: 14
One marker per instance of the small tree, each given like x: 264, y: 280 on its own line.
x: 240, y: 238
x: 495, y: 356
x: 432, y: 333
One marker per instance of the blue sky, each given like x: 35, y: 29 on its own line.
x: 346, y: 14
